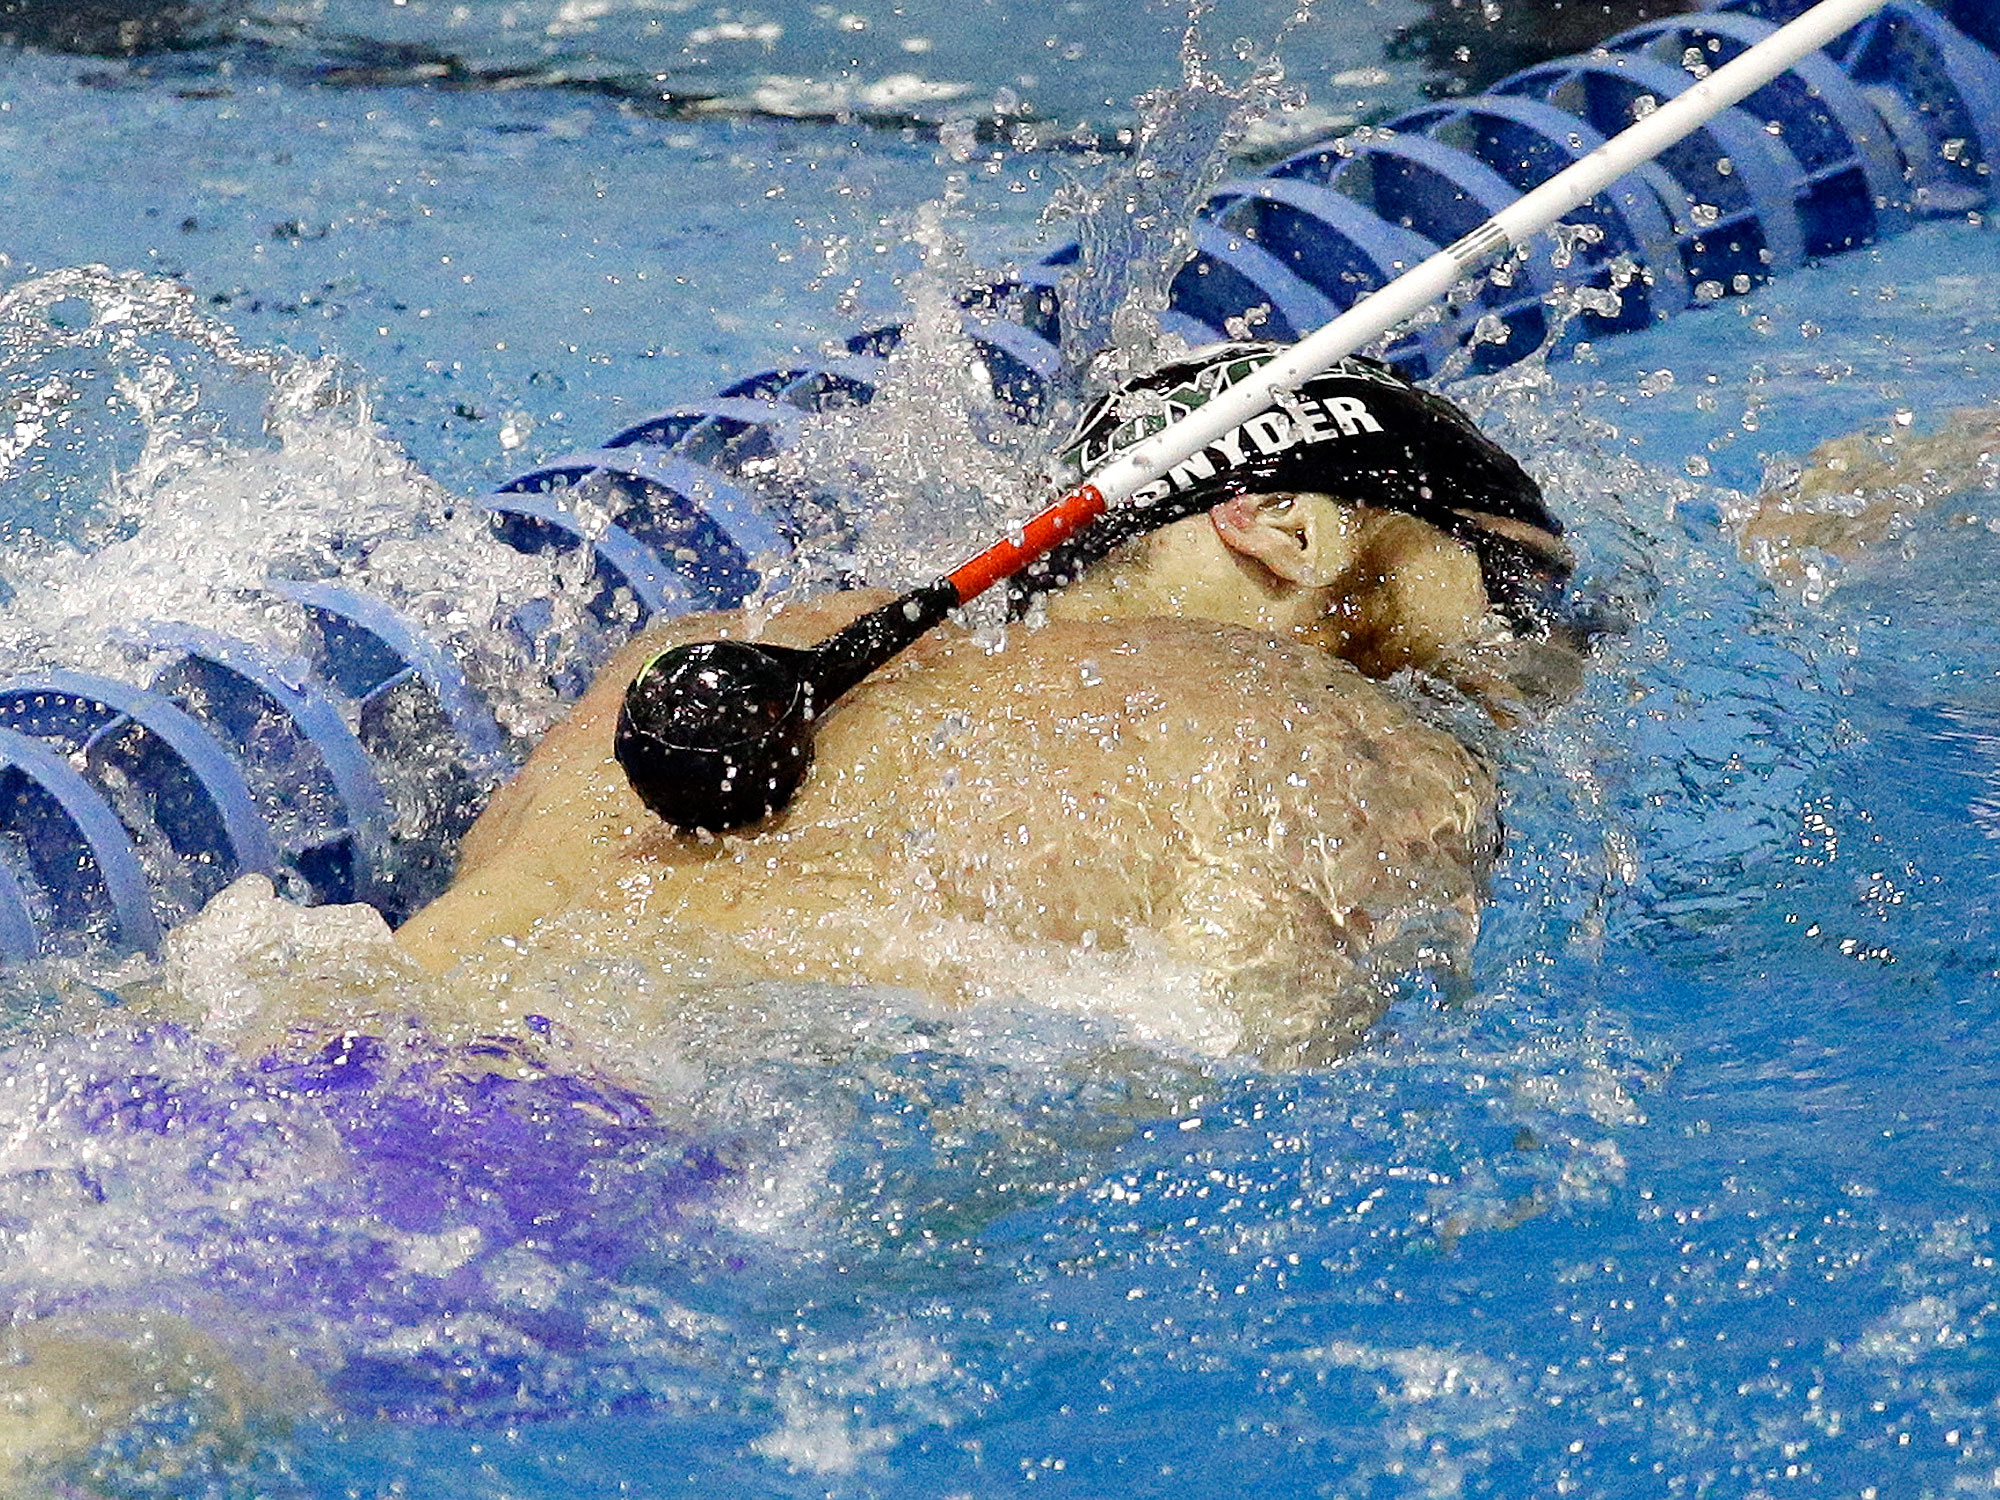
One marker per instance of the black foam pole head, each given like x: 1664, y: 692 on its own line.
x: 717, y: 735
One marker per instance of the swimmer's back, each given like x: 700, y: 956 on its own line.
x: 1249, y: 805
x: 1082, y: 779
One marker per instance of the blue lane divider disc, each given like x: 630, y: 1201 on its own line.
x: 371, y: 653
x: 1019, y: 362
x: 19, y: 942
x: 1427, y: 187
x: 632, y: 583
x: 1527, y: 141
x: 833, y: 383
x: 1190, y: 331
x: 1338, y: 248
x: 1738, y: 180
x: 1852, y: 190
x: 629, y: 584
x: 1936, y: 84
x: 702, y: 527
x: 763, y: 386
x: 826, y: 386
x: 181, y: 796
x: 1031, y: 297
x: 1230, y: 277
x: 725, y: 432
x: 88, y: 884
x: 432, y: 739
x: 1946, y: 101
x: 1978, y: 19
x: 311, y: 777
x: 876, y: 343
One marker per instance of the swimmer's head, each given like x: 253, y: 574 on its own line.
x: 1357, y: 431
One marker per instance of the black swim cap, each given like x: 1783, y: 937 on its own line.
x: 1357, y: 431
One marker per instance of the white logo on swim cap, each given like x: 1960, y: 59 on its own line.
x: 1319, y: 419
x: 1303, y: 420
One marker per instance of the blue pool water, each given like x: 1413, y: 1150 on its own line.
x: 1690, y: 1191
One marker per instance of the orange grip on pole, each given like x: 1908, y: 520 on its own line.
x: 1048, y: 528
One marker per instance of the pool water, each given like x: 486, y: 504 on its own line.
x: 1690, y: 1190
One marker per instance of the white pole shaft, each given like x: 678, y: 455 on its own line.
x: 1528, y: 215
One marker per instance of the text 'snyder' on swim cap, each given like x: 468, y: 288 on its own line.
x: 1357, y: 431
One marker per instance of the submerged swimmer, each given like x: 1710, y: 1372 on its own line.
x: 1854, y: 492
x: 1183, y: 752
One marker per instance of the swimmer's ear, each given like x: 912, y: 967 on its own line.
x: 1305, y: 539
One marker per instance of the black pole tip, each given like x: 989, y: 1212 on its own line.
x: 717, y: 736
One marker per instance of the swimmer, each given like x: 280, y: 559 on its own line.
x: 1181, y: 748
x: 1853, y: 492
x: 1182, y: 757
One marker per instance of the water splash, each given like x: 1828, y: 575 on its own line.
x: 1135, y: 230
x: 899, y: 488
x: 170, y: 474
x: 109, y: 374
x: 939, y: 460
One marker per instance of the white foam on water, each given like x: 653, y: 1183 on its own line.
x: 251, y: 466
x: 819, y: 1396
x: 932, y: 466
x: 251, y: 966
x: 1440, y: 1406
x: 809, y: 98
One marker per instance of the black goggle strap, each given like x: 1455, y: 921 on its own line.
x: 1524, y: 583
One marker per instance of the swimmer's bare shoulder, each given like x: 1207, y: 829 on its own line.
x: 556, y: 818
